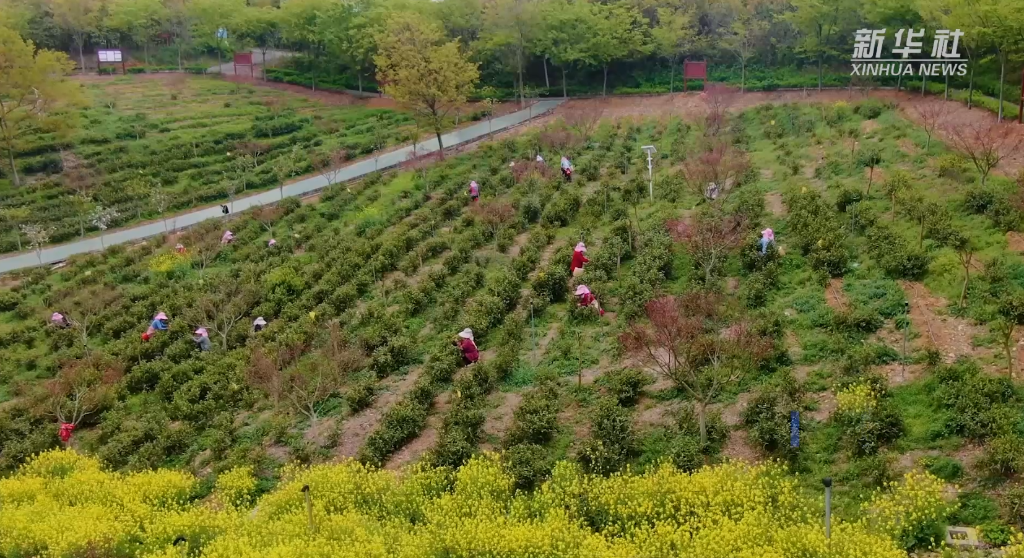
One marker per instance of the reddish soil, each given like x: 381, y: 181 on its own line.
x: 654, y: 413
x: 834, y: 295
x: 868, y: 126
x: 689, y: 105
x: 499, y: 419
x: 318, y: 433
x: 953, y: 336
x: 732, y: 412
x: 898, y: 373
x: 1015, y: 241
x: 826, y: 404
x: 738, y: 447
x: 773, y: 201
x: 357, y: 428
x: 427, y: 439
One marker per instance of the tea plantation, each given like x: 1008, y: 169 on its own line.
x: 366, y: 289
x: 150, y: 145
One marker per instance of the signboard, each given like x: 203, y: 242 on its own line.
x: 109, y: 55
x: 794, y: 429
x: 244, y: 59
x: 695, y: 70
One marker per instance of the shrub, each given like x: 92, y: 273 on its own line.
x: 9, y: 300
x: 535, y: 421
x: 869, y: 109
x: 717, y: 430
x: 767, y: 417
x: 979, y: 199
x: 945, y: 468
x: 361, y: 395
x: 612, y: 442
x: 977, y: 406
x: 528, y: 464
x: 400, y: 424
x: 869, y: 418
x: 625, y: 384
x: 952, y: 165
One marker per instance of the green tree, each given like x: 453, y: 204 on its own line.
x: 32, y: 88
x: 178, y: 25
x: 745, y: 37
x: 208, y: 16
x: 673, y: 37
x: 565, y: 29
x: 259, y: 27
x: 818, y: 22
x: 617, y: 34
x: 423, y: 71
x: 1011, y: 315
x: 77, y: 18
x: 508, y: 26
x: 349, y: 37
x: 140, y: 20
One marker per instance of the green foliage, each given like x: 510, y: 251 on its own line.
x: 817, y: 232
x: 625, y: 384
x: 767, y: 419
x: 612, y: 441
x: 946, y: 468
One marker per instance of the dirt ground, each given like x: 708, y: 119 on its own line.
x: 357, y: 428
x: 689, y: 105
x: 951, y: 335
x: 834, y: 295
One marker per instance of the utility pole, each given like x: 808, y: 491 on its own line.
x: 650, y: 168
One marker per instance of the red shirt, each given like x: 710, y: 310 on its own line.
x: 469, y: 349
x: 578, y: 259
x: 587, y: 299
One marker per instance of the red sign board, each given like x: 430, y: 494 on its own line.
x: 695, y: 70
x: 243, y: 59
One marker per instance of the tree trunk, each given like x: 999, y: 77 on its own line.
x: 743, y: 76
x: 359, y: 76
x: 263, y: 52
x: 672, y: 77
x: 604, y: 88
x: 440, y: 146
x: 702, y: 422
x: 547, y: 82
x: 920, y: 237
x: 179, y: 55
x: 522, y: 92
x: 945, y: 94
x: 145, y: 51
x: 924, y: 81
x: 899, y: 80
x: 224, y: 340
x: 565, y: 94
x: 1002, y: 78
x: 14, y: 169
x: 970, y: 89
x: 81, y: 53
x: 820, y: 62
x: 967, y: 277
x: 17, y: 238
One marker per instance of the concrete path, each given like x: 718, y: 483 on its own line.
x: 228, y: 68
x: 477, y: 131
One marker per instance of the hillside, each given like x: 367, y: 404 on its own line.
x: 366, y: 289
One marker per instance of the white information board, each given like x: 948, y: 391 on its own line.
x: 109, y: 55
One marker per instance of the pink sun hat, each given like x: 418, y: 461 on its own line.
x: 769, y: 234
x: 160, y: 316
x: 582, y: 290
x: 581, y: 247
x: 202, y: 331
x: 56, y: 317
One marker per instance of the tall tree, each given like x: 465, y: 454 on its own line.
x: 260, y: 27
x: 140, y: 20
x: 563, y: 34
x: 673, y: 37
x: 618, y: 34
x: 179, y: 25
x: 78, y: 18
x: 350, y: 29
x: 818, y: 22
x: 421, y: 70
x: 32, y: 86
x: 745, y: 37
x: 508, y: 26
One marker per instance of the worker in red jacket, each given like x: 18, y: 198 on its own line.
x: 578, y: 259
x: 587, y: 298
x: 470, y: 353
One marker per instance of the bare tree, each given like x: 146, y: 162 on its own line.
x: 709, y: 240
x: 84, y: 307
x: 714, y: 173
x: 718, y: 99
x: 203, y: 243
x: 688, y: 342
x: 267, y: 366
x: 227, y: 302
x: 932, y: 116
x: 82, y: 387
x: 965, y: 248
x: 329, y: 165
x: 254, y: 150
x: 309, y: 384
x: 583, y: 121
x: 267, y: 215
x: 494, y: 214
x: 984, y: 143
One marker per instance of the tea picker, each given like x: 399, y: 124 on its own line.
x: 467, y: 345
x: 566, y: 169
x: 587, y: 298
x: 202, y: 339
x: 60, y: 320
x: 767, y: 237
x: 159, y: 323
x: 227, y: 237
x: 578, y: 259
x: 258, y: 324
x: 474, y: 191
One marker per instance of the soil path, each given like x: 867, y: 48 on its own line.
x: 951, y: 335
x: 357, y: 428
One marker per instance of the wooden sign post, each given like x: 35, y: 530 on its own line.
x: 244, y: 59
x: 695, y: 70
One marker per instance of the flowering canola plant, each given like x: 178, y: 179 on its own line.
x: 62, y: 504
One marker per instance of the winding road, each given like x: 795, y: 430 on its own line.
x: 61, y: 252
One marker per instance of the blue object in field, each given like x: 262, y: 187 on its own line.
x: 794, y: 429
x: 222, y: 33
